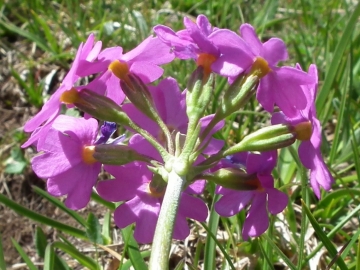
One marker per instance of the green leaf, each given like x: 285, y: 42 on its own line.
x: 132, y: 249
x: 77, y: 255
x: 93, y: 229
x: 278, y: 251
x: 106, y: 232
x: 40, y: 242
x: 16, y: 163
x: 2, y: 259
x: 49, y: 258
x: 42, y: 219
x: 335, y: 63
x: 24, y: 256
x: 324, y: 238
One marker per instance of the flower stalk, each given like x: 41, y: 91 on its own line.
x: 165, y: 225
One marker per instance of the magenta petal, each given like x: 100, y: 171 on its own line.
x: 214, y: 146
x: 151, y: 50
x: 170, y: 103
x: 181, y: 228
x: 145, y: 227
x: 128, y: 179
x: 147, y: 72
x: 93, y: 54
x: 320, y: 176
x: 196, y: 188
x: 86, y: 129
x: 123, y: 214
x: 142, y: 146
x: 257, y: 221
x: 113, y: 90
x: 277, y: 201
x: 111, y: 54
x: 77, y: 200
x: 233, y: 202
x: 204, y: 24
x: 264, y: 95
x: 63, y: 160
x: 48, y: 112
x: 249, y: 35
x: 274, y: 50
x: 60, y: 185
x: 193, y: 207
x: 307, y: 154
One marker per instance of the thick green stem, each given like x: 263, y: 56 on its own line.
x: 159, y: 259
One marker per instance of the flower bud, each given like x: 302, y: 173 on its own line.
x: 234, y: 179
x: 157, y: 186
x: 138, y: 93
x: 265, y: 139
x: 117, y: 154
x: 198, y: 93
x: 96, y: 105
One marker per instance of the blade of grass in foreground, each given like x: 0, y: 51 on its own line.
x: 335, y: 63
x: 323, y: 237
x: 2, y: 260
x: 60, y: 205
x: 23, y: 255
x: 42, y: 219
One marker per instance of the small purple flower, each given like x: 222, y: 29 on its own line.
x: 67, y: 161
x: 308, y: 129
x: 86, y: 52
x: 264, y: 199
x: 218, y: 50
x: 144, y: 61
x: 282, y: 85
x: 142, y: 206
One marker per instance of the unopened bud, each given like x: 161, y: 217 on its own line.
x: 199, y: 93
x: 138, y: 93
x: 117, y: 154
x: 157, y: 186
x: 234, y: 179
x: 265, y: 139
x: 96, y: 105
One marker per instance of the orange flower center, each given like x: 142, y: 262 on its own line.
x: 120, y: 70
x: 70, y: 97
x: 87, y: 154
x: 205, y: 60
x: 303, y: 131
x: 260, y: 67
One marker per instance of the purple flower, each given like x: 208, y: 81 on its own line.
x: 308, y: 129
x: 282, y: 85
x: 86, y: 52
x: 144, y: 61
x: 142, y: 206
x: 264, y: 199
x: 67, y: 161
x: 218, y: 50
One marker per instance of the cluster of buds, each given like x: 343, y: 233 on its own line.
x: 168, y: 132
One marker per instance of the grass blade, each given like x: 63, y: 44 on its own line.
x: 60, y: 205
x: 335, y: 63
x: 42, y: 219
x: 24, y: 256
x: 323, y: 237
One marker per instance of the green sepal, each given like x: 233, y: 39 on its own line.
x: 233, y: 178
x: 264, y: 139
x: 117, y: 154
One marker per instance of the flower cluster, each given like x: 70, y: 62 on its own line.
x: 168, y: 129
